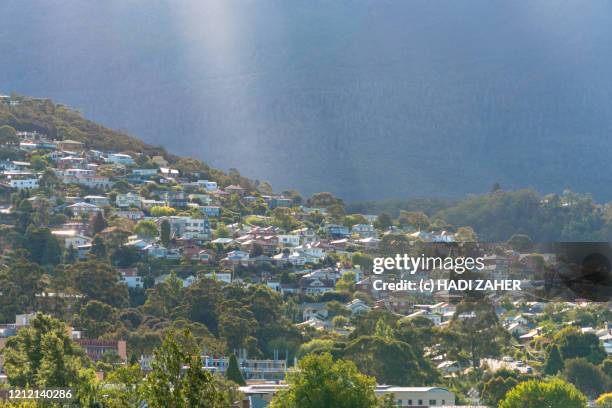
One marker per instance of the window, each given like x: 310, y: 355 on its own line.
x: 420, y: 402
x: 409, y: 402
x: 399, y: 402
x: 432, y: 402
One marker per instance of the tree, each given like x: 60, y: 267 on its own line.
x: 415, y: 219
x: 554, y: 361
x: 165, y: 233
x: 466, y: 234
x: 383, y: 221
x: 157, y: 211
x: 20, y: 282
x: 169, y: 386
x: 99, y: 223
x: 97, y: 318
x: 390, y: 361
x: 538, y: 394
x: 8, y: 135
x: 480, y: 334
x: 98, y: 281
x: 321, y: 382
x: 233, y: 371
x: 42, y: 355
x: 574, y: 344
x: 129, y: 379
x: 146, y: 229
x: 587, y: 377
x: 520, y: 243
x: 496, y: 388
x: 98, y: 247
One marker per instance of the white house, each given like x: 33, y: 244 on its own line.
x: 24, y: 183
x: 289, y: 240
x: 83, y: 208
x: 127, y: 200
x: 120, y: 158
x: 222, y: 277
x: 72, y: 238
x: 130, y: 277
x: 357, y: 306
x: 96, y: 200
x: 417, y: 396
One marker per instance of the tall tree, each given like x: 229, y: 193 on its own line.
x: 99, y: 223
x: 165, y: 232
x: 43, y: 355
x: 233, y: 371
x: 321, y: 382
x: 169, y: 386
x: 537, y: 394
x: 554, y: 361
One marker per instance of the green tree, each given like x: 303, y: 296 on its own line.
x: 575, y: 344
x: 415, y: 219
x: 383, y: 221
x: 587, y: 377
x: 20, y: 282
x: 233, y: 371
x: 165, y: 232
x: 97, y: 318
x: 98, y: 247
x: 169, y: 386
x: 321, y: 382
x: 554, y: 361
x: 520, y: 243
x: 146, y: 229
x: 99, y: 223
x: 538, y: 394
x: 8, y: 135
x: 42, y: 355
x: 98, y: 281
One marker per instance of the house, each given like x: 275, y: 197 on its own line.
x: 120, y: 158
x: 72, y: 238
x: 131, y: 278
x: 337, y: 231
x: 210, y: 210
x: 435, y: 318
x: 144, y: 172
x: 364, y: 230
x: 83, y: 208
x: 315, y: 286
x: 188, y: 227
x: 357, y: 306
x: 219, y: 276
x: 95, y: 349
x: 24, y: 183
x: 310, y: 310
x: 72, y: 145
x: 289, y: 240
x: 237, y: 257
x: 91, y: 181
x: 131, y: 214
x: 417, y: 396
x: 156, y: 251
x: 276, y: 202
x: 234, y: 189
x: 100, y: 201
x: 307, y: 235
